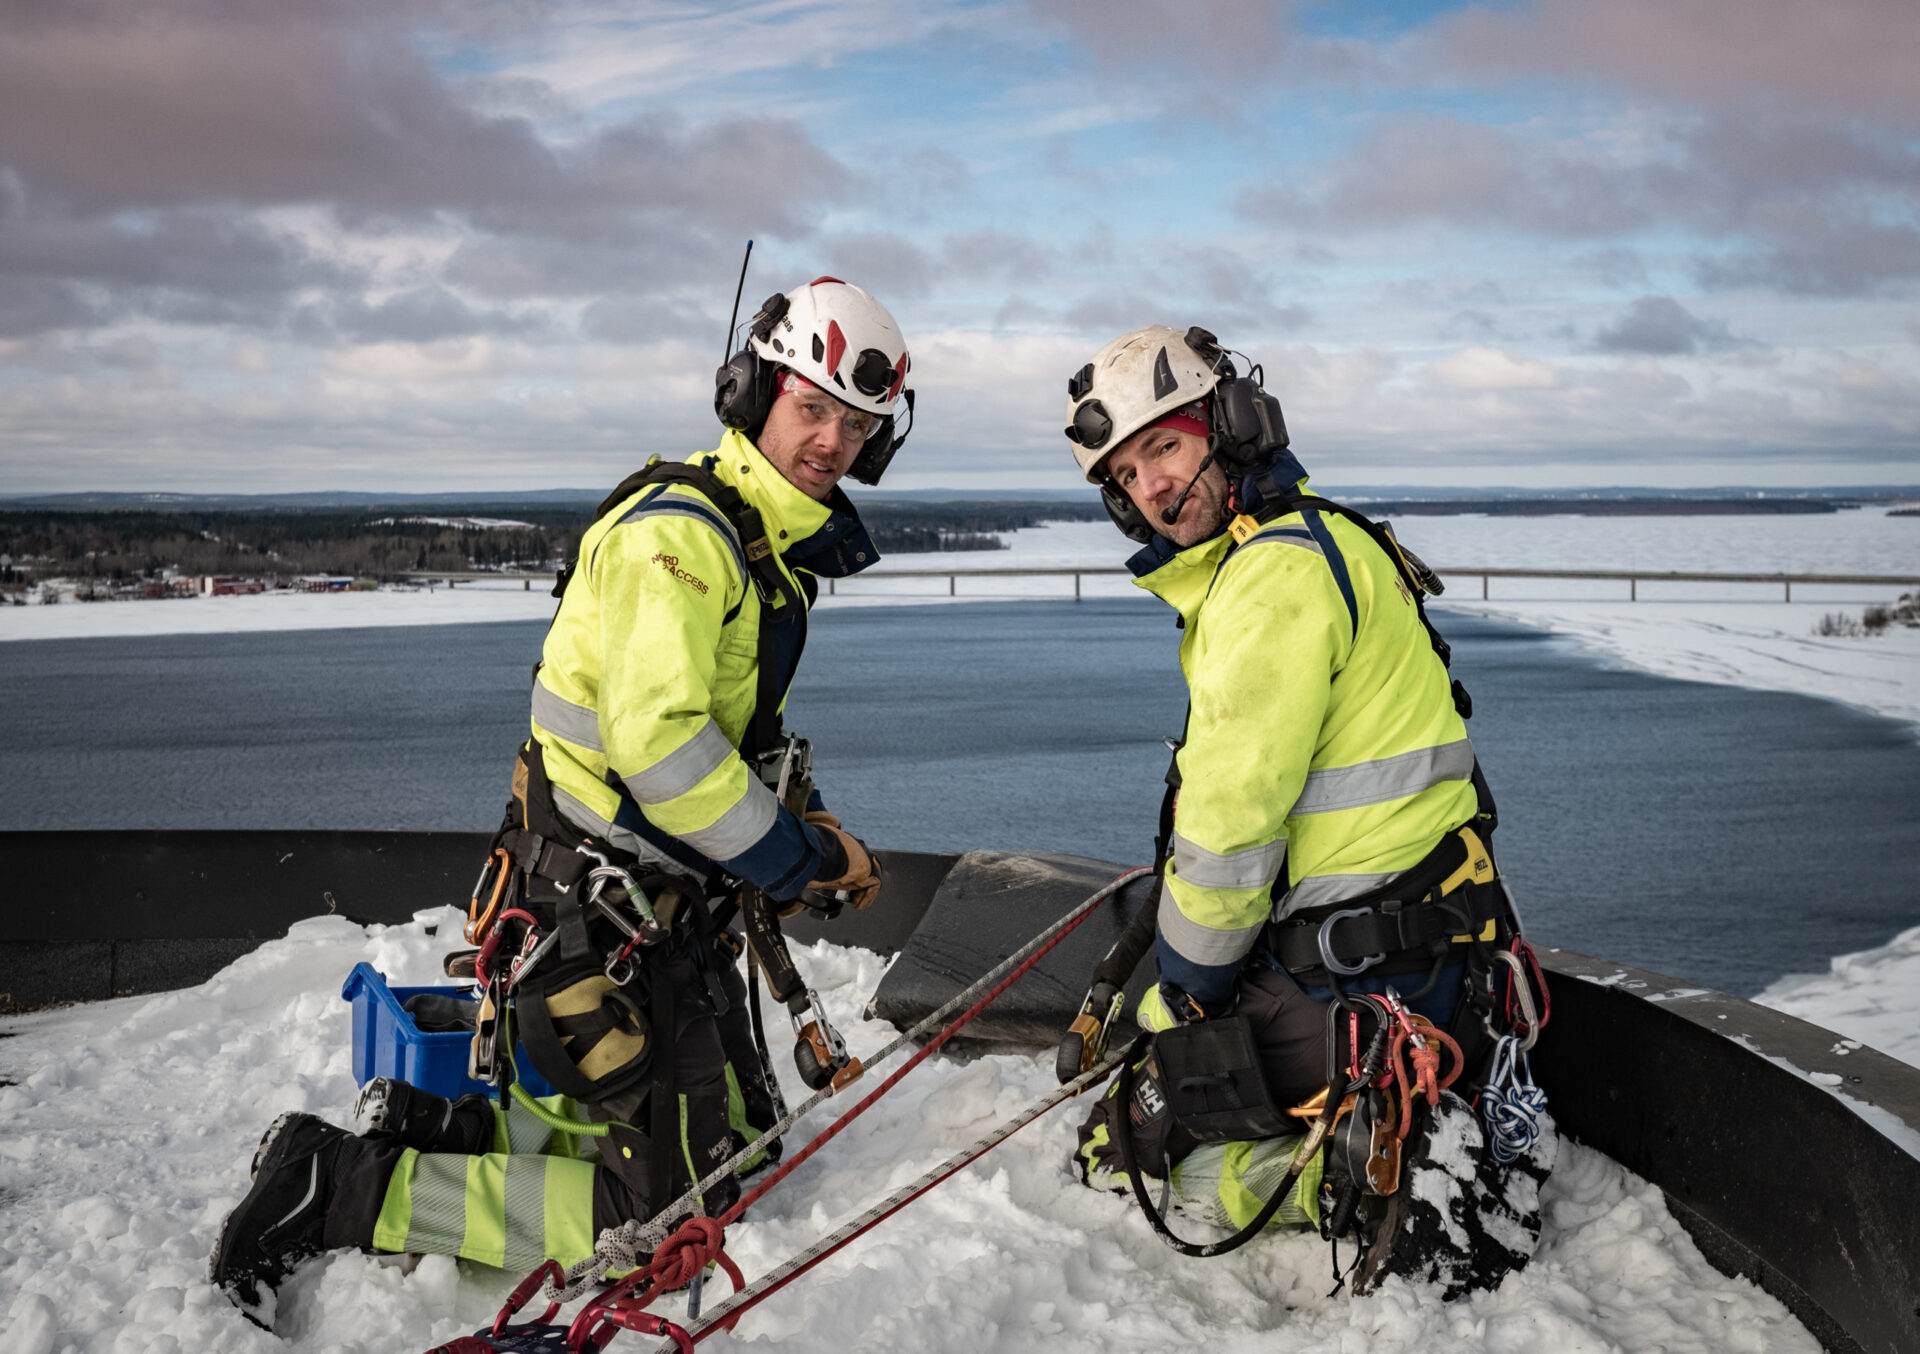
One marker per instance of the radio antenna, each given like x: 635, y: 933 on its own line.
x: 739, y: 287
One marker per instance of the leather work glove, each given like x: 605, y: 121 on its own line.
x: 849, y: 867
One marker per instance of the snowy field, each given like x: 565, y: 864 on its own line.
x: 129, y: 1134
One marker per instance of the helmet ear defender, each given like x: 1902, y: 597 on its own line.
x: 1247, y: 428
x: 744, y: 390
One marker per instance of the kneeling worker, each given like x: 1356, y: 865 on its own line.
x: 1327, y: 826
x: 657, y: 793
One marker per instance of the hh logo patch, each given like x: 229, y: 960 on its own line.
x: 1147, y: 1103
x: 671, y: 563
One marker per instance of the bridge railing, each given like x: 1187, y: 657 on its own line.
x: 1633, y: 578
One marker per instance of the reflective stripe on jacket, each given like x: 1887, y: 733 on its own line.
x: 1323, y: 740
x: 649, y: 674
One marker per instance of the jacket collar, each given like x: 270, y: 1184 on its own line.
x: 826, y: 539
x: 1182, y: 578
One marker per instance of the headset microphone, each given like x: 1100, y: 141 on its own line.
x: 1171, y: 513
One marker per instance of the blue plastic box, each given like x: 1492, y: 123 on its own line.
x: 386, y: 1042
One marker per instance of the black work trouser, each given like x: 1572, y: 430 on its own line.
x: 1290, y: 1031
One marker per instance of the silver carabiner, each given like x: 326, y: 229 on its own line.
x: 1325, y: 938
x: 1523, y: 992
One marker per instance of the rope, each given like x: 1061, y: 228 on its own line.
x: 785, y: 1273
x: 620, y: 1248
x: 1425, y: 1079
x: 1511, y: 1104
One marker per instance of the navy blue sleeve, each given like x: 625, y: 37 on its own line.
x: 783, y: 861
x: 1212, y: 985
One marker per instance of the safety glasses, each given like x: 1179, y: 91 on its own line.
x: 816, y: 407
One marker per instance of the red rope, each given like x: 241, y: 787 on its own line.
x: 677, y: 1256
x: 933, y: 1045
x: 681, y: 1258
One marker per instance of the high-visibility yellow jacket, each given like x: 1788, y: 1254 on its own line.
x: 649, y: 674
x: 1323, y: 750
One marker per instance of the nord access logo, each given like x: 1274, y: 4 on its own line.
x: 671, y: 563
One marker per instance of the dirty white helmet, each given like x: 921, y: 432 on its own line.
x: 1132, y: 382
x: 841, y: 339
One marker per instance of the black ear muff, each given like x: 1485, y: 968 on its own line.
x: 876, y: 454
x: 743, y: 388
x: 1248, y: 427
x: 1131, y: 521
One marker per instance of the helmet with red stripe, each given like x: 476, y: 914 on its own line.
x: 840, y: 338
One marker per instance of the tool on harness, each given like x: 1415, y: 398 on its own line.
x: 643, y: 1238
x: 499, y: 871
x: 819, y: 1052
x: 1085, y: 1042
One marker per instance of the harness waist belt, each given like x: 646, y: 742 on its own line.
x: 1389, y: 929
x: 547, y: 859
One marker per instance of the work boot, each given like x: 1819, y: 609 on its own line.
x: 282, y: 1219
x: 397, y: 1110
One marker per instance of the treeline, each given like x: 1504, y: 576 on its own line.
x: 129, y: 545
x: 386, y: 544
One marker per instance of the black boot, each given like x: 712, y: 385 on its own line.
x: 405, y: 1114
x: 282, y: 1220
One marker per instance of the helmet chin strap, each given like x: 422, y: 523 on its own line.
x: 1171, y: 513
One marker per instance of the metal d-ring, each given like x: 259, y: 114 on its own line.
x: 1325, y: 938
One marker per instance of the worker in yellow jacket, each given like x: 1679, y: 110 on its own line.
x: 656, y: 753
x: 1329, y: 824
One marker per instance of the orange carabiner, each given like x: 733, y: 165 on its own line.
x: 500, y: 866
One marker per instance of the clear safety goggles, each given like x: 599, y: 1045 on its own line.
x: 816, y: 407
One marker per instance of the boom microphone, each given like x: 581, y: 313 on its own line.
x: 1171, y: 513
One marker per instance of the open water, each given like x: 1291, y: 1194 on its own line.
x: 1720, y: 835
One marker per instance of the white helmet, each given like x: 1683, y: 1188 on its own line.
x: 1133, y: 382
x: 841, y: 339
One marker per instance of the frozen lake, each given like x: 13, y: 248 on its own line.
x: 1722, y: 835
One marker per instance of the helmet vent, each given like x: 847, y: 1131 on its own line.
x: 1163, y: 382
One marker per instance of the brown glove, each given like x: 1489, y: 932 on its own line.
x: 861, y: 878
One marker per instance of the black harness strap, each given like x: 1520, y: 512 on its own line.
x: 664, y: 1114
x: 1277, y: 502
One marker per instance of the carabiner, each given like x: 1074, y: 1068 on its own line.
x: 1523, y: 993
x: 1325, y: 939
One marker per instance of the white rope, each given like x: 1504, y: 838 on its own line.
x: 1511, y: 1104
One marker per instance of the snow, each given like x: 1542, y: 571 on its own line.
x: 1872, y: 997
x: 133, y: 1121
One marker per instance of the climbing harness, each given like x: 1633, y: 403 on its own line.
x: 622, y: 1247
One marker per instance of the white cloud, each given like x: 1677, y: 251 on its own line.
x: 1492, y: 369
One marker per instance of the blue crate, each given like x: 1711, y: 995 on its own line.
x: 386, y: 1042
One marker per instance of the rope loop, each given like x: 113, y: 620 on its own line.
x: 1511, y: 1104
x: 680, y: 1259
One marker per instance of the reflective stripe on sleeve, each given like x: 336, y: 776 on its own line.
x: 1390, y: 778
x: 683, y: 768
x: 558, y: 715
x: 1320, y: 889
x: 740, y: 827
x: 1294, y: 536
x: 1252, y: 868
x: 673, y: 505
x: 1203, y: 945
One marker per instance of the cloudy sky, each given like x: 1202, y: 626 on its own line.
x: 440, y: 244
